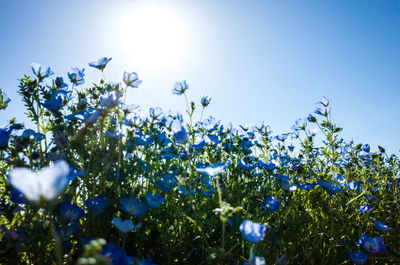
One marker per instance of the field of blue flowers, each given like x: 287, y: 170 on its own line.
x: 95, y: 182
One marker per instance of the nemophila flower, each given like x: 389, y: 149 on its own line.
x: 39, y: 72
x: 381, y: 149
x: 131, y: 80
x: 300, y: 124
x: 134, y: 206
x: 281, y: 137
x: 184, y: 191
x: 364, y: 208
x: 281, y: 177
x: 381, y: 227
x: 307, y: 186
x: 180, y: 134
x: 372, y: 245
x: 358, y: 257
x: 77, y: 76
x: 4, y: 137
x: 353, y: 185
x: 323, y: 107
x: 205, y: 101
x: 59, y: 82
x: 180, y: 88
x: 117, y: 255
x: 366, y: 148
x: 124, y: 226
x: 55, y: 102
x: 110, y: 100
x: 154, y: 200
x: 100, y: 63
x: 71, y: 212
x: 142, y: 139
x: 253, y: 232
x: 168, y: 182
x: 199, y: 145
x: 96, y: 205
x: 47, y: 184
x: 244, y: 165
x: 271, y: 204
x: 213, y: 170
x: 330, y: 187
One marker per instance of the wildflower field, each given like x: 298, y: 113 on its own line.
x: 95, y: 182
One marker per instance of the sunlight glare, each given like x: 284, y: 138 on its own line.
x: 152, y: 36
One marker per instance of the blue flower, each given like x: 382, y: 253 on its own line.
x: 76, y: 77
x: 365, y: 148
x: 133, y: 206
x: 244, y: 165
x: 46, y: 184
x: 71, y: 212
x: 66, y: 232
x: 96, y: 206
x: 271, y: 204
x: 142, y: 139
x: 353, y: 185
x: 111, y: 100
x: 307, y: 186
x: 4, y: 137
x: 131, y: 80
x: 372, y: 245
x: 331, y: 188
x: 364, y: 208
x: 322, y: 107
x: 358, y: 257
x: 100, y: 64
x: 198, y: 146
x: 37, y: 70
x: 55, y: 102
x: 180, y: 88
x: 117, y: 255
x: 213, y: 170
x: 124, y: 226
x: 253, y: 232
x: 167, y: 182
x: 60, y: 82
x: 205, y: 101
x: 154, y: 200
x: 180, y: 135
x: 381, y: 227
x: 155, y: 113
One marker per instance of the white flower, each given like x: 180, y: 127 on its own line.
x: 46, y: 184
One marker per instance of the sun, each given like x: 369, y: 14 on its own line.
x: 152, y: 35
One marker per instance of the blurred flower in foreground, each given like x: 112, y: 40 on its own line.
x: 253, y: 232
x: 46, y: 184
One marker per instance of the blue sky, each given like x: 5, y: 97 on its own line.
x: 258, y: 60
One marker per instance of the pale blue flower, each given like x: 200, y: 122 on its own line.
x: 133, y: 206
x: 131, y: 80
x: 205, y: 101
x: 39, y: 72
x: 271, y: 204
x: 213, y: 170
x: 372, y: 245
x: 96, y: 206
x: 154, y: 200
x: 100, y: 64
x: 46, y: 184
x: 180, y: 134
x: 110, y: 100
x: 253, y: 232
x: 124, y: 226
x: 71, y: 212
x: 180, y: 88
x: 77, y: 76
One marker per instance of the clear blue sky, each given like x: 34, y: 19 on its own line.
x: 258, y: 60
